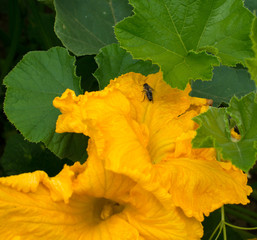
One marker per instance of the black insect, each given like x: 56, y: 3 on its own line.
x: 148, y: 92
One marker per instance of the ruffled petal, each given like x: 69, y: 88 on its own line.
x: 200, y: 186
x: 98, y: 182
x: 69, y: 105
x: 26, y: 182
x: 153, y: 221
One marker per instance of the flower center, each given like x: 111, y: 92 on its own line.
x: 109, y: 208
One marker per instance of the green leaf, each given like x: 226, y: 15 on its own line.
x: 176, y: 33
x: 226, y: 83
x: 85, y: 26
x: 252, y: 63
x: 21, y: 156
x: 214, y: 131
x: 114, y: 61
x: 31, y: 88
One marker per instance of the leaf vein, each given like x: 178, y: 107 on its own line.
x: 175, y: 27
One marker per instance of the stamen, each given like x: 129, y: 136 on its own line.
x: 107, y: 211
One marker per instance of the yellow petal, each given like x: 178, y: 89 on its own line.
x: 98, y: 182
x: 60, y: 187
x: 200, y: 186
x: 153, y: 221
x: 71, y: 119
x: 27, y: 182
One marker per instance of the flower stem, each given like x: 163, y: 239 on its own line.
x: 223, y: 223
x: 221, y: 227
x: 216, y: 229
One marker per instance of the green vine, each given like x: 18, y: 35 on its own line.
x: 221, y: 227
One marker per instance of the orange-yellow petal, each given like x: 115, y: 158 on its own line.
x: 200, y: 186
x: 156, y: 222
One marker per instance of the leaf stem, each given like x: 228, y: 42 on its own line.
x: 221, y: 227
x: 241, y: 228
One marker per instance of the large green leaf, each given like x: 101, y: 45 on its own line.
x: 252, y: 63
x: 114, y: 61
x: 85, y: 26
x: 214, y: 131
x: 31, y: 87
x: 21, y: 156
x: 226, y: 83
x: 176, y: 33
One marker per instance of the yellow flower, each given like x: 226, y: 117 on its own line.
x: 150, y: 142
x: 87, y: 202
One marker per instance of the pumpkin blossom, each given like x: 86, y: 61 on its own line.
x: 150, y: 141
x: 142, y: 179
